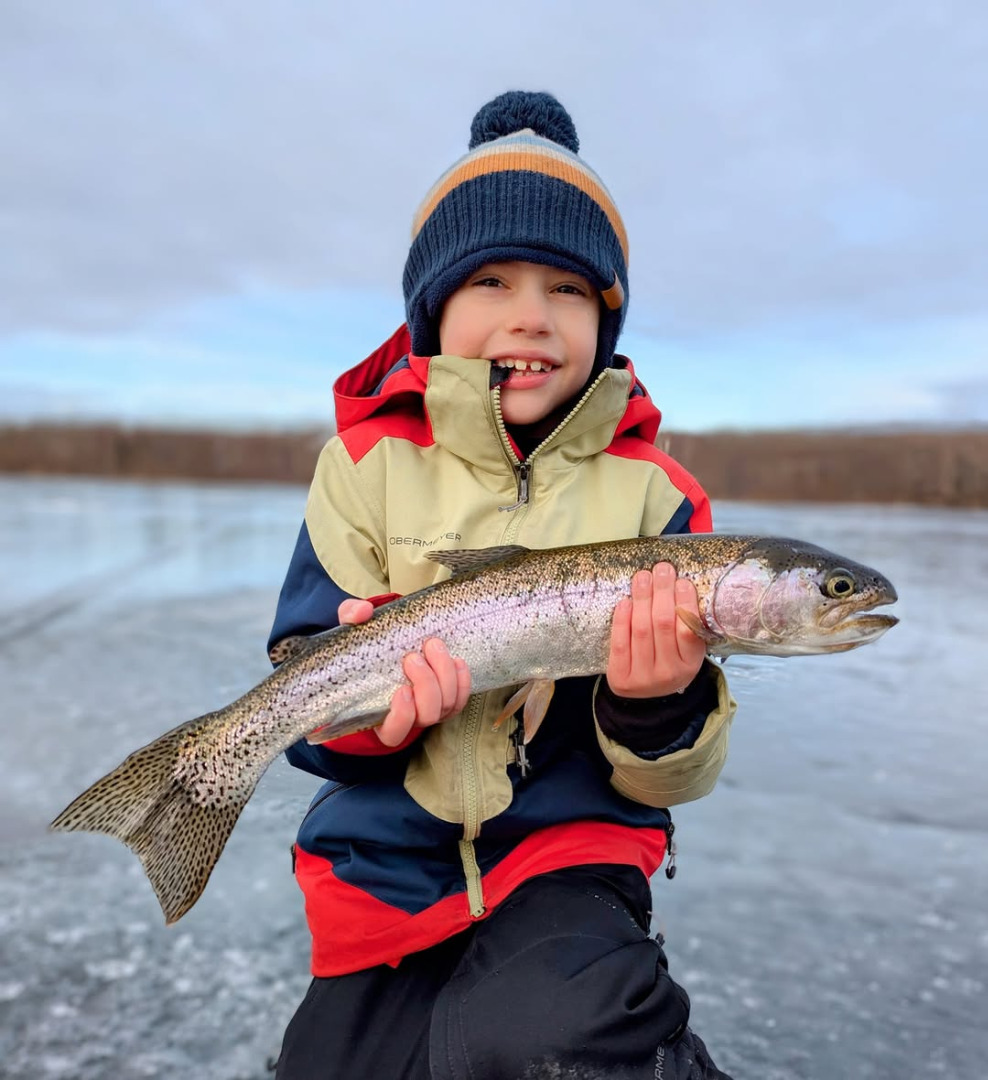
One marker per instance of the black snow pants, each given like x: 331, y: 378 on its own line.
x: 561, y: 981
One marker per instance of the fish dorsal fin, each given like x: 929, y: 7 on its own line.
x: 460, y: 560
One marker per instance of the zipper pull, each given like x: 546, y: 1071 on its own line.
x: 523, y: 470
x: 671, y: 852
x: 521, y: 755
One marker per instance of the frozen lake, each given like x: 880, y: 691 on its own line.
x: 829, y: 917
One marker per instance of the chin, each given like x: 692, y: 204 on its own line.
x: 515, y: 412
x: 524, y: 416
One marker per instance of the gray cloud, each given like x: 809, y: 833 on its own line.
x: 772, y: 160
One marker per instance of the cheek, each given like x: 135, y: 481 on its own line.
x: 585, y: 340
x: 460, y: 327
x: 737, y: 599
x: 787, y: 603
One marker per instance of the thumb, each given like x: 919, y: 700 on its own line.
x: 351, y: 612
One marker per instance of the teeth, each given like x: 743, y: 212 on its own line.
x: 525, y: 365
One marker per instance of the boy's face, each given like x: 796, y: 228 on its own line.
x: 535, y: 320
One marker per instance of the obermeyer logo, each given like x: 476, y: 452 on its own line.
x: 418, y: 541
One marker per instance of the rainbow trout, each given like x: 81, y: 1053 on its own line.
x: 516, y: 616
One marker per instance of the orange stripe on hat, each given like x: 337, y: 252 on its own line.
x: 498, y: 159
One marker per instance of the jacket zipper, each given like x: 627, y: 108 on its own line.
x: 471, y: 806
x: 471, y: 721
x: 523, y: 469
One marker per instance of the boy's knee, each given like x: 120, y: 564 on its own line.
x: 576, y: 1005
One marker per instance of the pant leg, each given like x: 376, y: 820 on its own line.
x: 369, y: 1025
x: 563, y: 981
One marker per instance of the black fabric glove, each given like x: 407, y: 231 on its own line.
x: 656, y: 726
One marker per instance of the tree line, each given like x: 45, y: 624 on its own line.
x: 942, y: 468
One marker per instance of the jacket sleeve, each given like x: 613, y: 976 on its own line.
x: 687, y: 768
x: 339, y: 554
x: 683, y: 772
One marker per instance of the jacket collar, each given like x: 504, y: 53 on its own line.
x: 453, y: 395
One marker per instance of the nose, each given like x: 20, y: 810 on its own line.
x: 530, y: 313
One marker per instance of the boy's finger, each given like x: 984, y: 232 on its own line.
x: 663, y: 613
x: 443, y: 667
x: 620, y: 657
x: 425, y: 689
x: 462, y: 684
x: 642, y: 632
x: 398, y: 723
x: 690, y: 646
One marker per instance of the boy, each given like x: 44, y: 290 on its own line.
x: 479, y: 907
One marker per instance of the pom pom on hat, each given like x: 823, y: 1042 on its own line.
x: 521, y: 193
x: 520, y: 109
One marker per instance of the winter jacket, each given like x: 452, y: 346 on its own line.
x: 405, y: 846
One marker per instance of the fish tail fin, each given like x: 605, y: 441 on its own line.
x: 176, y: 831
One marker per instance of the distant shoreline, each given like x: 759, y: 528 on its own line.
x: 930, y: 468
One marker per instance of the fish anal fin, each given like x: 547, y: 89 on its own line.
x: 460, y: 560
x: 335, y: 729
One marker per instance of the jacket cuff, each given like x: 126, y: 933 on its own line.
x: 653, y: 726
x: 680, y: 775
x: 367, y: 744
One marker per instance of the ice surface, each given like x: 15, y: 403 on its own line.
x: 828, y: 918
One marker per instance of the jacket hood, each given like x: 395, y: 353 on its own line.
x: 392, y: 380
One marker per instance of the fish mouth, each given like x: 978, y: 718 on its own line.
x: 866, y: 624
x: 859, y: 612
x: 853, y: 623
x: 859, y: 629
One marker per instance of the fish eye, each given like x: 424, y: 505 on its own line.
x: 840, y: 583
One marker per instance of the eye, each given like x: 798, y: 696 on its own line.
x: 488, y: 280
x: 839, y: 584
x: 571, y: 288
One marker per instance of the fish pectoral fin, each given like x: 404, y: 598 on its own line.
x: 334, y: 729
x: 698, y: 626
x: 535, y: 696
x: 460, y: 560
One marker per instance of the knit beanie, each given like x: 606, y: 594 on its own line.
x: 521, y: 193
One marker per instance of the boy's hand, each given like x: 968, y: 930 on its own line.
x: 653, y: 652
x: 438, y: 684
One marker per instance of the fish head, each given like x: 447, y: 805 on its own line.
x: 789, y: 598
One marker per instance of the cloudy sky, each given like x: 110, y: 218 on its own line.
x: 205, y: 208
